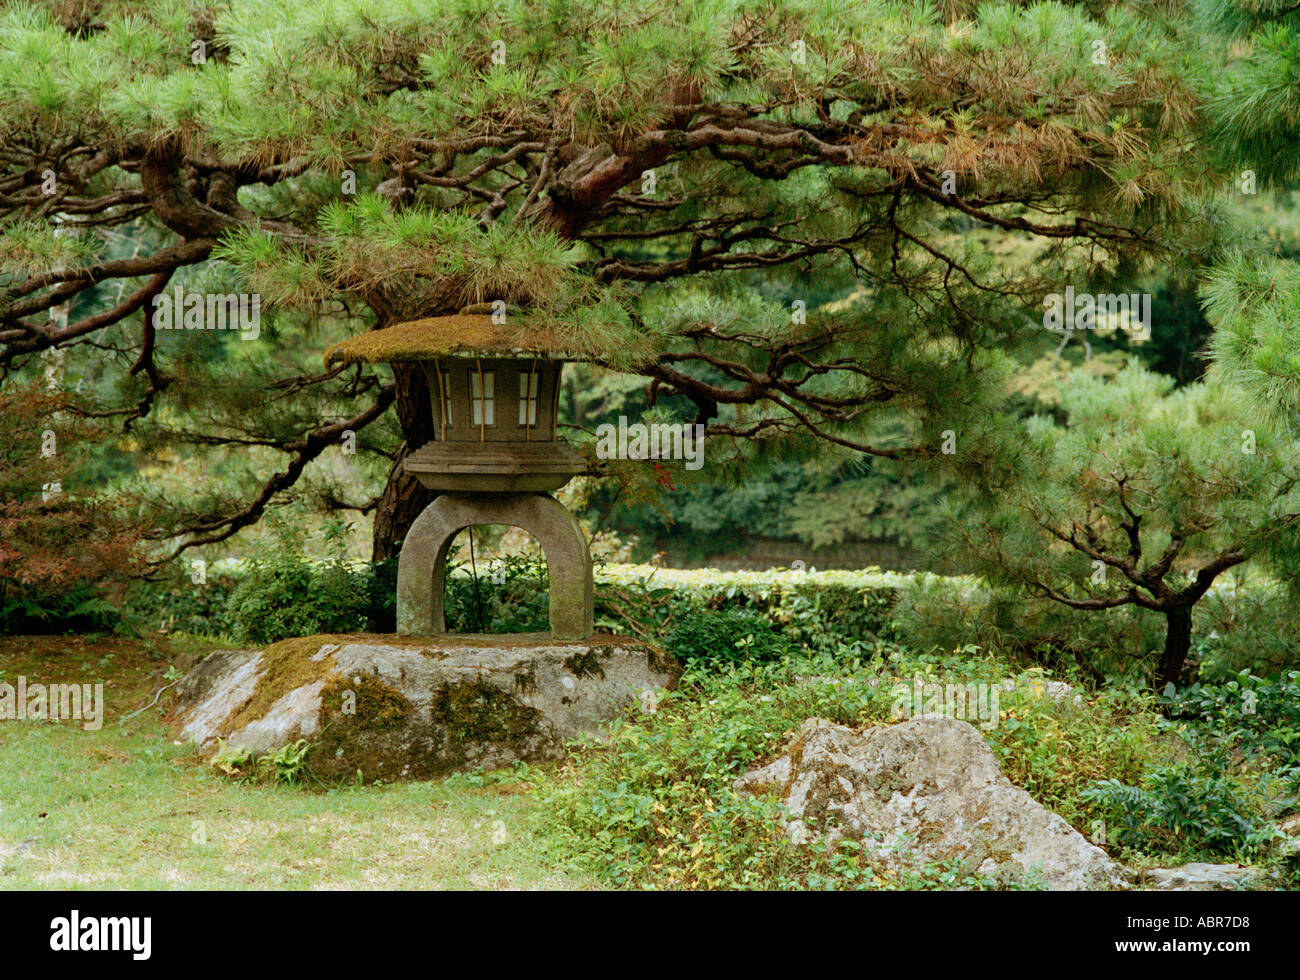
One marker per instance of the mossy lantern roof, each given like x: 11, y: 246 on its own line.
x: 461, y: 335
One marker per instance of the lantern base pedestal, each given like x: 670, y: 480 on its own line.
x: 422, y: 565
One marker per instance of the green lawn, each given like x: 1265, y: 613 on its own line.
x: 127, y: 807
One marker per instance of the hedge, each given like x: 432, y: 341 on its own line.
x: 1242, y: 623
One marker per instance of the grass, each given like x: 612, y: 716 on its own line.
x: 126, y: 807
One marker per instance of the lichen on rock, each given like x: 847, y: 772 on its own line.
x: 926, y: 791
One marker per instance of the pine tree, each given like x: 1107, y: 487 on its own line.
x: 689, y: 184
x: 1252, y: 294
x: 1141, y: 495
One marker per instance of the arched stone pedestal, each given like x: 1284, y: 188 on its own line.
x: 422, y: 565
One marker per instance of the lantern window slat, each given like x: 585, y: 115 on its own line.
x: 483, y: 397
x: 528, y: 399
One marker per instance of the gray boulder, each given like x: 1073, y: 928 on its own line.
x: 1198, y: 877
x: 398, y: 707
x: 1289, y: 840
x: 923, y: 791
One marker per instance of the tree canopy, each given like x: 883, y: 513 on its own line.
x: 803, y: 218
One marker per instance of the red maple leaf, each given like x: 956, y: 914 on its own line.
x: 665, y: 478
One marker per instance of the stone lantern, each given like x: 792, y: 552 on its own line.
x: 495, y: 455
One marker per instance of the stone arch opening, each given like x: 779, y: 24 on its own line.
x: 422, y: 564
x: 496, y: 582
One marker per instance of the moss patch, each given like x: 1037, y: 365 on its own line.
x: 365, y: 701
x: 587, y: 663
x: 465, y: 718
x: 361, y: 739
x: 526, y: 680
x: 478, y: 712
x: 529, y: 334
x: 285, y: 666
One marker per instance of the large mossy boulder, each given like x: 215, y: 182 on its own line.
x: 408, y: 708
x: 927, y: 791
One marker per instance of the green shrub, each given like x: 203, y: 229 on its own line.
x: 175, y: 603
x: 1056, y: 750
x: 78, y: 608
x: 283, y: 594
x: 1253, y: 716
x: 823, y: 616
x: 725, y: 637
x: 1251, y: 626
x: 277, y: 593
x: 1240, y: 769
x: 507, y: 595
x: 950, y: 612
x: 819, y: 611
x: 1238, y: 625
x: 295, y: 594
x: 1185, y: 810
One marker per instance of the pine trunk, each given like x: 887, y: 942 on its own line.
x: 1178, y: 641
x: 404, y: 497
